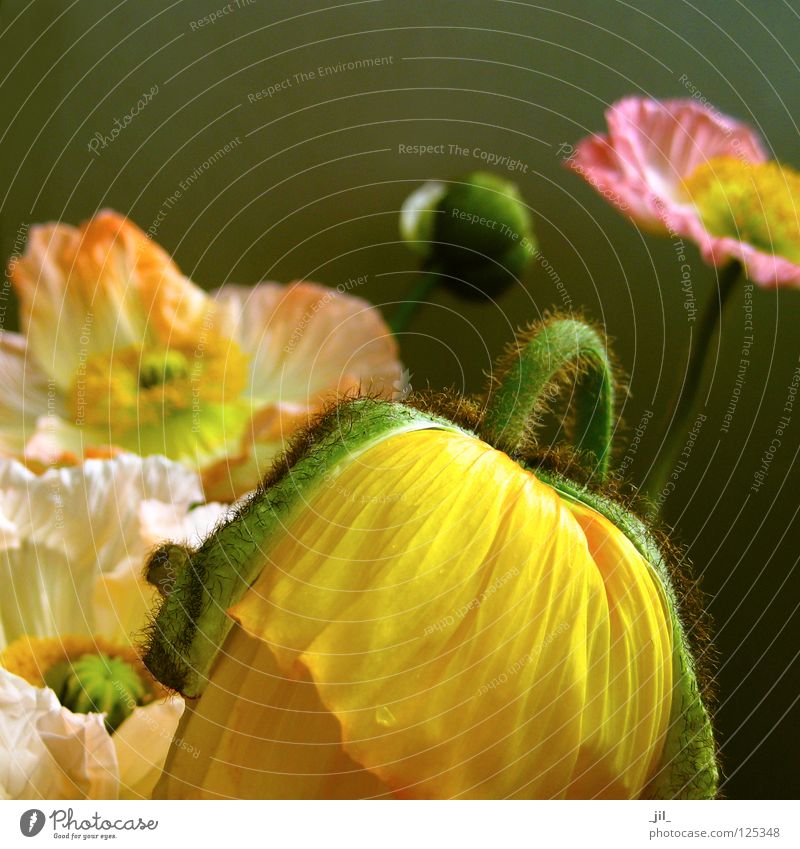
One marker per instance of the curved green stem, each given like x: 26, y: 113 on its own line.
x: 416, y: 298
x: 684, y: 403
x: 515, y: 404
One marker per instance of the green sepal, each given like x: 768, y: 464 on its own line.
x: 538, y: 359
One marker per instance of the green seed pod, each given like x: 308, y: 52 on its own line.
x: 97, y: 683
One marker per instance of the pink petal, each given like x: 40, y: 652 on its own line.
x: 651, y: 147
x: 765, y: 269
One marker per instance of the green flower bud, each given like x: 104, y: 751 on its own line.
x: 476, y: 231
x: 97, y: 683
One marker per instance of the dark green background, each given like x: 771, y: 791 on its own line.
x: 314, y: 188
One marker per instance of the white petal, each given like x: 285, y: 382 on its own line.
x: 24, y: 394
x: 122, y: 602
x: 48, y: 752
x: 71, y: 526
x: 160, y: 521
x: 142, y: 743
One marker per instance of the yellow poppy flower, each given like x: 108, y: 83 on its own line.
x: 404, y: 610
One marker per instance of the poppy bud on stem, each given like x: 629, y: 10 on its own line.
x: 474, y: 235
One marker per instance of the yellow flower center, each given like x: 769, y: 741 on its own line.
x: 158, y: 368
x: 754, y: 203
x: 157, y: 400
x: 88, y: 674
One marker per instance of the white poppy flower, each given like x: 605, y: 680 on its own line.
x: 73, y: 542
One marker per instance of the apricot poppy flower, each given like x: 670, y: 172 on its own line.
x: 680, y: 167
x: 121, y: 351
x: 79, y: 714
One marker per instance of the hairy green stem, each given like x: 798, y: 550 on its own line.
x: 516, y: 403
x: 684, y: 403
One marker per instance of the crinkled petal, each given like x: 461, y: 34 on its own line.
x: 24, y: 394
x: 56, y: 442
x: 765, y: 269
x: 73, y: 525
x: 651, y: 146
x: 308, y: 342
x: 99, y: 287
x: 123, y: 601
x: 288, y: 742
x: 269, y: 430
x: 308, y: 345
x: 47, y: 752
x: 171, y: 521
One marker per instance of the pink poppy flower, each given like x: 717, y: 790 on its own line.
x: 681, y: 168
x: 120, y: 351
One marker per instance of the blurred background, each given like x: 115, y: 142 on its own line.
x: 266, y: 139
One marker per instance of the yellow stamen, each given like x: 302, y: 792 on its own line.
x: 129, y: 390
x: 33, y: 657
x: 754, y: 203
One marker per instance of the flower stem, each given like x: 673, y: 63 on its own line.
x: 416, y: 298
x: 684, y: 403
x: 523, y: 392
